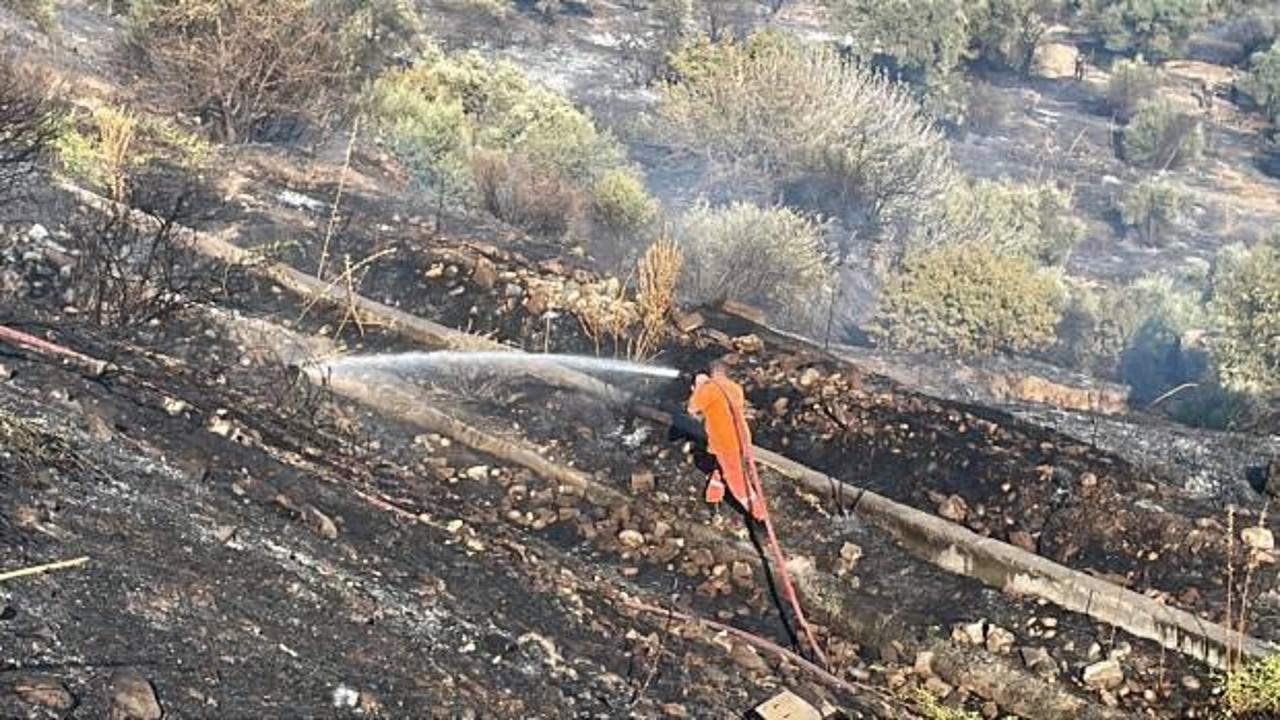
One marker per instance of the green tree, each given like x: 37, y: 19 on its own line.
x: 1152, y: 208
x: 1009, y: 31
x: 1246, y: 305
x: 1155, y: 28
x: 967, y: 298
x: 1132, y: 83
x: 1264, y: 80
x: 1162, y: 136
x: 1034, y: 220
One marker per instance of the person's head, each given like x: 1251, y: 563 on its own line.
x: 718, y: 369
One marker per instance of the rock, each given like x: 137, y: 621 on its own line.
x: 747, y: 658
x: 5, y: 372
x: 1023, y: 539
x: 810, y: 377
x: 1258, y: 538
x: 999, y: 640
x: 322, y: 523
x: 298, y: 201
x: 974, y: 633
x: 688, y: 322
x: 1271, y: 484
x: 1038, y: 660
x: 477, y: 472
x: 132, y: 698
x: 938, y: 688
x: 990, y: 711
x: 924, y: 663
x: 741, y: 571
x: 630, y: 539
x: 954, y: 508
x: 780, y: 405
x: 433, y: 272
x: 38, y: 233
x: 484, y: 274
x: 786, y: 705
x: 1191, y: 683
x: 661, y: 530
x: 642, y: 481
x: 674, y: 710
x: 849, y: 556
x: 1088, y: 480
x: 1103, y: 675
x: 748, y: 344
x: 44, y: 692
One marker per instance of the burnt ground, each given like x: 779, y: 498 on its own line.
x: 235, y: 566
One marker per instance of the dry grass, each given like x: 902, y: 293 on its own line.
x: 117, y: 129
x: 659, y: 272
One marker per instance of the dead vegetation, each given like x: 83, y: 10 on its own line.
x: 30, y: 116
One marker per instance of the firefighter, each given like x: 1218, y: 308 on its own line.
x: 721, y: 405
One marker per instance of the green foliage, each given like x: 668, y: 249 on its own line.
x: 1161, y: 136
x: 1008, y: 32
x: 41, y: 12
x: 1033, y: 220
x: 1253, y: 690
x: 622, y: 204
x: 373, y: 32
x: 790, y: 111
x: 1152, y: 208
x: 464, y: 123
x: 967, y: 298
x: 773, y: 258
x: 1155, y: 28
x: 1132, y: 83
x: 929, y: 36
x: 1264, y: 80
x: 1246, y: 306
x: 931, y: 709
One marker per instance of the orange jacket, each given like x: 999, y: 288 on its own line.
x: 722, y: 405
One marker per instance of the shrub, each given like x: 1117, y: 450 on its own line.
x: 41, y: 12
x: 967, y: 298
x: 1264, y: 80
x: 1031, y: 220
x: 986, y: 108
x: 658, y: 274
x: 439, y: 113
x: 1253, y: 690
x: 515, y: 191
x: 30, y: 119
x: 1246, y: 306
x: 788, y: 111
x: 622, y: 204
x: 769, y: 257
x: 1155, y: 28
x: 1131, y: 84
x: 1152, y: 208
x: 1162, y: 136
x: 930, y: 37
x: 243, y: 65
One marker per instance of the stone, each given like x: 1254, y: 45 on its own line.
x: 741, y: 571
x: 1088, y: 480
x: 477, y: 472
x: 810, y: 377
x: 1191, y: 683
x: 44, y: 692
x: 1271, y: 484
x: 38, y: 233
x: 1023, y: 539
x: 999, y: 640
x: 630, y: 539
x: 1258, y: 538
x: 786, y: 705
x: 974, y: 633
x: 849, y: 556
x: 747, y: 658
x: 780, y: 405
x: 953, y: 508
x: 990, y: 711
x: 688, y: 322
x: 938, y: 688
x: 749, y: 344
x: 1038, y: 660
x: 924, y: 663
x: 322, y: 523
x: 674, y: 710
x: 484, y: 274
x: 1103, y: 675
x: 642, y: 481
x: 131, y: 697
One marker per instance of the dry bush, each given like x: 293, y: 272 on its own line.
x: 130, y: 272
x: 658, y: 274
x: 30, y: 117
x: 604, y: 312
x: 770, y: 257
x: 986, y: 109
x: 41, y: 12
x: 116, y: 131
x: 513, y: 191
x: 793, y: 111
x: 241, y: 64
